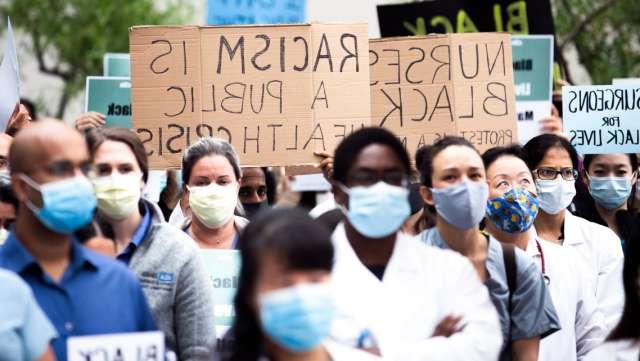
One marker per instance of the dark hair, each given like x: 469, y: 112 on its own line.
x: 270, y: 182
x: 493, y: 154
x: 627, y: 327
x: 205, y: 147
x: 349, y: 149
x: 96, y: 136
x: 31, y: 108
x: 537, y: 148
x: 298, y: 242
x: 426, y: 155
x: 588, y: 158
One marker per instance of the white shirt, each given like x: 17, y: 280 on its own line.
x: 339, y: 352
x: 421, y: 286
x: 581, y: 321
x: 601, y: 251
x: 616, y: 351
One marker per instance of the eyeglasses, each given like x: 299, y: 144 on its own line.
x: 547, y: 173
x: 369, y: 178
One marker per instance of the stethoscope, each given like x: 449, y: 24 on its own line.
x: 547, y: 280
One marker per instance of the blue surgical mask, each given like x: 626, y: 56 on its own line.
x: 67, y: 205
x: 298, y: 318
x: 555, y: 195
x: 514, y: 211
x: 378, y: 210
x: 610, y: 192
x: 462, y: 205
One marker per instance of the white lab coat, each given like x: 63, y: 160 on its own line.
x: 627, y: 350
x: 581, y: 322
x: 601, y: 251
x: 420, y: 287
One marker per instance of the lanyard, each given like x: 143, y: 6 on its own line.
x: 547, y: 280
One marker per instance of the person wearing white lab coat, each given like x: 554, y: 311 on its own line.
x: 623, y: 344
x: 554, y: 164
x: 413, y: 302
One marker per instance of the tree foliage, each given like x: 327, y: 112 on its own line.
x: 69, y: 37
x: 605, y: 34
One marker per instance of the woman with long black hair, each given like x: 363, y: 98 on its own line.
x: 284, y: 304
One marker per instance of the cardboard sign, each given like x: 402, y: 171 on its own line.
x: 9, y: 79
x: 110, y: 96
x: 116, y: 64
x: 423, y: 88
x: 603, y: 118
x: 466, y: 16
x: 533, y: 75
x: 238, y: 12
x: 148, y: 346
x: 223, y: 266
x: 276, y: 93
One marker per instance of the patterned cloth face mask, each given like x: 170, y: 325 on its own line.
x: 514, y: 212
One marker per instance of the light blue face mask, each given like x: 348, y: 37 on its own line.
x: 67, y: 204
x: 298, y: 318
x: 610, y: 192
x: 462, y: 205
x: 378, y: 210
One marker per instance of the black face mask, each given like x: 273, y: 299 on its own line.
x: 251, y: 209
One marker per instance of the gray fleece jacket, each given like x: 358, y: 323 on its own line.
x: 177, y: 288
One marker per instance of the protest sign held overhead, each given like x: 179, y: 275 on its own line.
x: 602, y: 119
x: 238, y: 12
x: 423, y: 88
x: 148, y: 346
x: 533, y: 76
x: 110, y: 96
x: 277, y: 93
x: 464, y: 16
x: 116, y: 64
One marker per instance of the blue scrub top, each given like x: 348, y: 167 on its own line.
x: 534, y: 314
x: 96, y: 295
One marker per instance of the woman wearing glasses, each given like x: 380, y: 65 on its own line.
x: 554, y: 164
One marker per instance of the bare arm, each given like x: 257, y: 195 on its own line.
x: 525, y: 349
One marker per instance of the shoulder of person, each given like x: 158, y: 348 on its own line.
x: 593, y: 229
x: 111, y: 268
x: 435, y: 255
x: 240, y: 222
x: 13, y: 286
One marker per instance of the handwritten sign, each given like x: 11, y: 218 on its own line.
x: 223, y: 266
x: 110, y: 96
x: 277, y: 93
x: 466, y: 16
x: 236, y: 12
x: 148, y: 346
x: 533, y: 76
x: 116, y: 64
x: 424, y: 88
x: 602, y: 118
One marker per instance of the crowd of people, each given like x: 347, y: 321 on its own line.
x: 517, y: 253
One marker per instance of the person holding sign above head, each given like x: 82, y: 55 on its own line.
x: 391, y: 283
x: 454, y: 186
x: 284, y: 306
x: 81, y: 292
x: 553, y: 161
x: 510, y: 213
x: 611, y: 179
x: 211, y: 181
x: 165, y: 259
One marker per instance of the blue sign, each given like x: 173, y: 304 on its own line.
x: 238, y: 12
x: 603, y: 118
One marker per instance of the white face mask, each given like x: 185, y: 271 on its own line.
x: 214, y: 204
x: 118, y: 195
x: 555, y: 195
